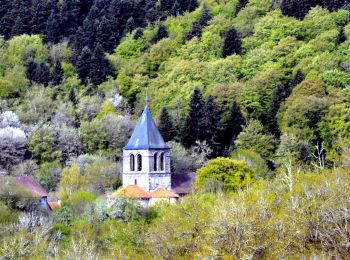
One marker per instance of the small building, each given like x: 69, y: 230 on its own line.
x: 29, y: 184
x: 146, y: 157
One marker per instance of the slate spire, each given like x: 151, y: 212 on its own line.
x: 146, y: 134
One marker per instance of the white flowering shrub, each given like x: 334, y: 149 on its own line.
x: 13, y: 140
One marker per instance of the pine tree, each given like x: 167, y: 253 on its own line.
x: 240, y: 5
x: 70, y: 17
x: 40, y: 11
x: 205, y: 17
x: 279, y: 94
x: 101, y: 68
x: 166, y: 125
x: 5, y: 20
x: 130, y: 25
x: 232, y: 43
x: 20, y: 14
x: 211, y: 125
x: 161, y: 33
x: 341, y: 36
x: 297, y: 8
x: 30, y: 70
x: 296, y: 80
x: 53, y: 28
x: 231, y: 127
x: 83, y: 64
x: 166, y: 5
x: 193, y: 127
x: 57, y: 74
x: 176, y: 9
x: 138, y: 33
x: 18, y: 27
x: 72, y: 96
x: 192, y: 5
x: 42, y: 74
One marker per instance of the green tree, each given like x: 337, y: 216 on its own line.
x: 232, y: 43
x: 253, y: 137
x: 166, y: 125
x: 193, y: 127
x: 223, y: 174
x: 42, y: 144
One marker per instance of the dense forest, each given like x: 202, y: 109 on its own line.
x: 253, y: 95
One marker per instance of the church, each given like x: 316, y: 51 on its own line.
x: 146, y: 164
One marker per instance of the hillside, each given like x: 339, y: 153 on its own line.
x: 263, y: 85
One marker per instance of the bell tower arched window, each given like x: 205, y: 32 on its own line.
x: 132, y: 163
x: 139, y: 162
x: 155, y: 161
x: 162, y: 162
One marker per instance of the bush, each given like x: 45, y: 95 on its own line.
x: 223, y: 174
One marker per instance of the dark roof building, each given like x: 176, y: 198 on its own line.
x: 146, y: 134
x: 29, y: 183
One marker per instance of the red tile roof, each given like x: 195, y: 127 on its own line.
x: 135, y: 192
x: 53, y: 204
x: 28, y: 183
x: 163, y: 193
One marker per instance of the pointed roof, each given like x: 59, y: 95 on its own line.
x: 146, y: 134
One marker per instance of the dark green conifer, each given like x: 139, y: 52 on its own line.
x: 240, y: 5
x: 166, y: 125
x: 72, y: 96
x: 232, y: 43
x: 211, y: 125
x: 231, y: 127
x: 341, y: 36
x: 161, y: 33
x: 57, y: 74
x: 193, y: 127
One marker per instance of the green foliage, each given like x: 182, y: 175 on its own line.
x: 253, y: 137
x: 42, y: 143
x: 49, y: 175
x: 223, y: 174
x: 253, y: 160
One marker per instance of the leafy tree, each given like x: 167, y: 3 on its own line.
x: 253, y: 137
x: 224, y: 174
x: 193, y: 127
x: 254, y: 161
x: 42, y: 144
x: 49, y: 175
x: 232, y: 43
x: 166, y: 125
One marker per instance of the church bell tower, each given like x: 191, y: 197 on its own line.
x: 146, y: 157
